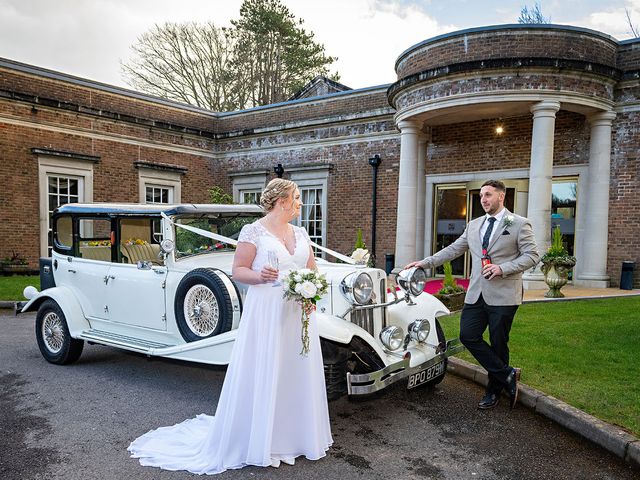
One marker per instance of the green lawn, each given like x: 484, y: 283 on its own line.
x: 585, y: 352
x: 11, y: 287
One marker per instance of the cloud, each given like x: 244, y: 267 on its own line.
x: 89, y: 38
x: 367, y: 36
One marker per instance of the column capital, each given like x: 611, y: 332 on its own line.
x: 604, y: 118
x: 546, y: 108
x: 409, y: 126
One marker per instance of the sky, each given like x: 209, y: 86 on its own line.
x: 90, y: 38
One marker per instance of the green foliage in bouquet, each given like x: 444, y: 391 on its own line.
x: 449, y: 284
x: 557, y: 253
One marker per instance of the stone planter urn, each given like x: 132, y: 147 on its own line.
x: 556, y: 274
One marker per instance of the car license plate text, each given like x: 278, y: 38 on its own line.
x: 425, y: 375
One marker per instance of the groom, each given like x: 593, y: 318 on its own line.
x: 502, y: 246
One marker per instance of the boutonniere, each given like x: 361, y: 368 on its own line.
x: 508, y: 220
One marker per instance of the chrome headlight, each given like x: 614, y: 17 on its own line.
x: 412, y: 280
x: 392, y: 337
x: 419, y: 330
x: 357, y: 287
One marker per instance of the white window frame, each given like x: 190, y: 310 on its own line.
x: 314, y: 177
x: 247, y: 182
x: 244, y: 193
x: 82, y: 170
x: 169, y: 189
x: 159, y: 178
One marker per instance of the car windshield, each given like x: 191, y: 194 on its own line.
x: 228, y: 225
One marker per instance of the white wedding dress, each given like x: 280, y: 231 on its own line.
x: 273, y: 405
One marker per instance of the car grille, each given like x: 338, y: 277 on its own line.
x: 365, y: 319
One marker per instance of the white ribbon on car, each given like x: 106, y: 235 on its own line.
x: 199, y: 231
x: 231, y: 241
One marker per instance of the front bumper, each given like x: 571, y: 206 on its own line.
x: 366, y: 383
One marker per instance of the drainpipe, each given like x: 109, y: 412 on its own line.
x: 375, y: 162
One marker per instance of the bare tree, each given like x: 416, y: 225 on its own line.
x: 186, y: 62
x: 533, y: 15
x: 264, y: 58
x: 634, y: 28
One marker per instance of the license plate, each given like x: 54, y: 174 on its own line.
x: 425, y: 375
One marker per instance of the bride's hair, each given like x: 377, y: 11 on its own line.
x: 275, y: 189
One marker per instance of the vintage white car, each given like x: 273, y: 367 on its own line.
x: 156, y: 279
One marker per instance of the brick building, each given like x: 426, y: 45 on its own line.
x: 551, y: 110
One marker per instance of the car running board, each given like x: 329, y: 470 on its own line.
x: 121, y: 341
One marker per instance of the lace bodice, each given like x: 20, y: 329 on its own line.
x: 257, y: 234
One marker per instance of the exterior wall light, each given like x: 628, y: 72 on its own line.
x: 499, y: 130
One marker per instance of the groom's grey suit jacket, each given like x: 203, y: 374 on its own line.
x: 512, y: 247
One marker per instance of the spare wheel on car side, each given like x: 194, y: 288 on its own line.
x: 203, y: 306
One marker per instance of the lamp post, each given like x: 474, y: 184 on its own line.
x: 375, y: 162
x: 279, y: 170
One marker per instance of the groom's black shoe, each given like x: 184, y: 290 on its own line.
x: 512, y: 386
x: 489, y: 401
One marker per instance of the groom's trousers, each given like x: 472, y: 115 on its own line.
x: 493, y: 356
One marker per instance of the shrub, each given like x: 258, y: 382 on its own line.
x: 449, y: 284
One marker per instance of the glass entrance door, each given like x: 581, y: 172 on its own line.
x: 451, y: 219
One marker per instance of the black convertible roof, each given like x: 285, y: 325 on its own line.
x: 155, y: 209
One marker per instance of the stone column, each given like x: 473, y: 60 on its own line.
x: 540, y: 182
x: 407, y: 189
x: 423, y: 139
x: 593, y: 271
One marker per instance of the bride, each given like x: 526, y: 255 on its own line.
x: 273, y: 405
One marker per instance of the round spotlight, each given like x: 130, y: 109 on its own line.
x: 419, y: 330
x: 357, y: 287
x: 392, y: 337
x: 412, y: 280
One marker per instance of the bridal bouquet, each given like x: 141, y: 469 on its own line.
x: 305, y: 287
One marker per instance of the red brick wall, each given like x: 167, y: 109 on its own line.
x: 349, y: 181
x: 508, y: 43
x: 474, y: 146
x: 115, y: 177
x: 629, y: 56
x: 624, y: 197
x: 94, y: 99
x: 337, y: 108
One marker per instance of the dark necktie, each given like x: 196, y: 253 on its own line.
x: 487, y: 234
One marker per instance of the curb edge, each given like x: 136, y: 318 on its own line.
x: 611, y: 438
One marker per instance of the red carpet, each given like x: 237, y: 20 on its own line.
x: 433, y: 286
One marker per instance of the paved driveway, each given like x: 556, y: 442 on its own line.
x: 75, y: 422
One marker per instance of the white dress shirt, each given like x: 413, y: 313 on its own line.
x: 498, y: 216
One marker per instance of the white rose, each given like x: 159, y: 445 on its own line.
x: 304, y: 271
x: 297, y: 278
x: 298, y: 287
x: 307, y: 289
x: 318, y: 285
x: 360, y: 255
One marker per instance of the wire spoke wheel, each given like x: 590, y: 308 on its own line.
x: 201, y: 310
x: 54, y: 339
x: 53, y: 333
